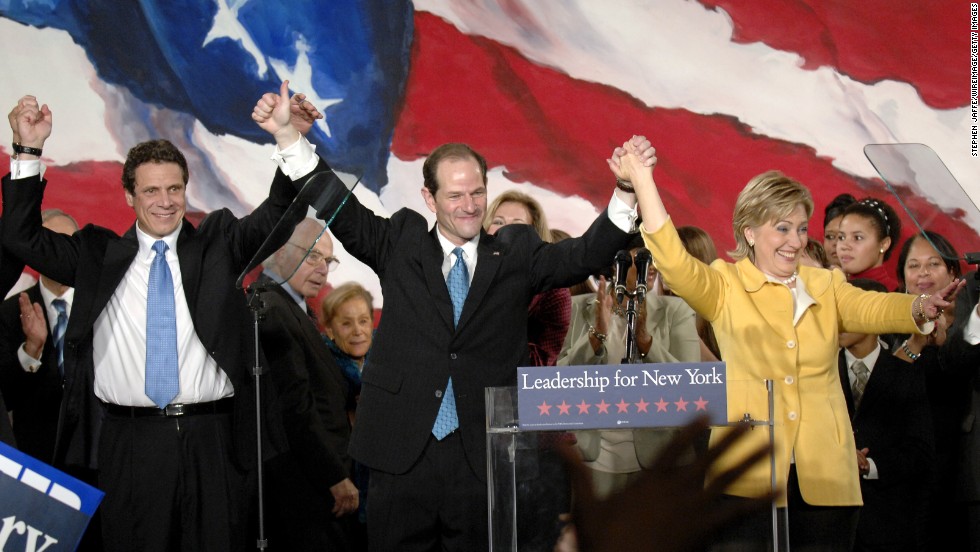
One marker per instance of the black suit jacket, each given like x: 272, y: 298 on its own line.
x: 416, y: 347
x: 311, y: 389
x: 35, y: 399
x: 94, y: 261
x: 10, y: 270
x: 893, y: 421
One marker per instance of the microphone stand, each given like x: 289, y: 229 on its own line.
x: 257, y: 306
x: 631, y: 355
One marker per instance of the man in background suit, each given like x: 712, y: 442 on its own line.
x: 310, y: 492
x: 892, y: 426
x: 30, y: 363
x: 454, y: 323
x: 171, y: 451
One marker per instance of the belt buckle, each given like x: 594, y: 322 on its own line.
x: 173, y: 410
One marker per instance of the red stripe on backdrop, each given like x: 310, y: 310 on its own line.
x: 868, y: 40
x: 91, y: 192
x: 546, y: 128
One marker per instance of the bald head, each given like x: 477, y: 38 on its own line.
x: 309, y: 277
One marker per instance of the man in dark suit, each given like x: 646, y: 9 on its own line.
x: 30, y: 364
x: 310, y: 492
x: 158, y: 392
x: 893, y: 432
x: 454, y: 323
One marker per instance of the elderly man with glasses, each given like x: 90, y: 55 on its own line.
x: 310, y: 494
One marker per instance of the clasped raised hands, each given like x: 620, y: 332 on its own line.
x: 283, y: 117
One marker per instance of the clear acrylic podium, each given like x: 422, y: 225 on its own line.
x: 526, y: 483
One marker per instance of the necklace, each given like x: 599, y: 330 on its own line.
x: 786, y: 282
x: 789, y: 280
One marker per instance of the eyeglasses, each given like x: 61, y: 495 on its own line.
x: 314, y: 258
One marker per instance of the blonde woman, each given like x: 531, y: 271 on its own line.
x: 778, y: 320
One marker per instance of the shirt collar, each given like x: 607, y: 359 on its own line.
x: 146, y: 241
x: 469, y: 247
x: 868, y: 361
x: 47, y: 296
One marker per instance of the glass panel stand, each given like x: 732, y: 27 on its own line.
x: 526, y: 483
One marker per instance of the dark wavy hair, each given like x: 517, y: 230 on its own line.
x: 836, y: 207
x: 151, y: 151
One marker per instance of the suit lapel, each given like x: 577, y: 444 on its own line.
x: 776, y: 300
x: 311, y: 335
x: 488, y: 261
x: 432, y: 257
x: 189, y: 255
x: 119, y: 255
x: 881, y: 380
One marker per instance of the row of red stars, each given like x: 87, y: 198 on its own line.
x: 622, y: 407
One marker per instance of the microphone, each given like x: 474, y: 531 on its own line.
x: 643, y: 260
x: 623, y: 262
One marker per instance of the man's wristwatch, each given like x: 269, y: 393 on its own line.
x: 18, y: 149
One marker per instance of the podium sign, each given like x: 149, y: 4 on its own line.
x: 621, y: 395
x: 41, y: 508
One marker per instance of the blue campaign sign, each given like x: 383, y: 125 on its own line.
x: 621, y: 395
x: 41, y: 508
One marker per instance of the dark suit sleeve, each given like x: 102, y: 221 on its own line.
x: 913, y: 454
x: 272, y: 219
x: 10, y: 269
x: 311, y: 442
x: 569, y: 262
x: 11, y: 336
x: 50, y: 253
x: 364, y: 234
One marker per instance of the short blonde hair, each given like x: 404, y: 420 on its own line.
x: 538, y: 220
x: 768, y: 197
x: 340, y: 295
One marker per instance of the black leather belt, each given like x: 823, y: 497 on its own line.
x: 221, y: 406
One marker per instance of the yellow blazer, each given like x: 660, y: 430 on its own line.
x: 753, y: 321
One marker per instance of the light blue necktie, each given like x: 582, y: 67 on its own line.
x: 60, y: 326
x: 162, y: 384
x: 458, y: 283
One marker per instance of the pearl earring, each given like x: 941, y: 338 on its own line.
x: 882, y: 251
x: 751, y: 243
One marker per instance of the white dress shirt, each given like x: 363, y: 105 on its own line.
x: 119, y: 348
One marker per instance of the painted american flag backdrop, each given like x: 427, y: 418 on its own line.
x: 725, y: 89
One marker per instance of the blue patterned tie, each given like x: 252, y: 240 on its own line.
x: 458, y: 283
x: 60, y: 326
x: 161, y: 331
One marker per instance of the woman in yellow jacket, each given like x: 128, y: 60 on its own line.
x: 775, y: 319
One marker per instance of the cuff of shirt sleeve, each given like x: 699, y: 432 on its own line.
x: 622, y: 215
x: 971, y: 333
x: 927, y: 328
x: 27, y: 362
x: 296, y: 160
x: 25, y: 168
x: 872, y: 470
